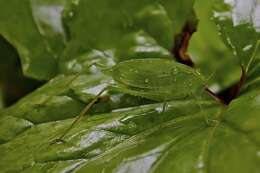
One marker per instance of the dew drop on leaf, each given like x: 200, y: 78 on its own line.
x: 159, y: 109
x: 175, y: 71
x: 198, y: 72
x: 71, y: 14
x: 75, y: 2
x: 200, y: 165
x: 247, y: 48
x: 213, y: 123
x: 258, y: 154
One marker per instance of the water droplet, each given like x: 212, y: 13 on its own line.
x: 248, y: 47
x: 232, y: 45
x: 258, y: 153
x: 174, y: 71
x: 198, y: 72
x: 75, y: 2
x: 215, y: 88
x: 159, y: 109
x: 71, y: 14
x: 212, y: 123
x: 256, y: 101
x: 200, y: 165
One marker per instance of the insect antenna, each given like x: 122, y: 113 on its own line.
x: 197, y: 99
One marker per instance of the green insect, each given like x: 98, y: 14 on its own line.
x: 156, y: 79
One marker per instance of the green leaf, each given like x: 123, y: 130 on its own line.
x: 210, y: 54
x: 38, y: 40
x: 13, y: 83
x: 123, y: 29
x: 17, y: 126
x: 239, y: 25
x: 181, y: 129
x: 108, y: 130
x: 47, y: 15
x: 65, y: 96
x: 145, y: 139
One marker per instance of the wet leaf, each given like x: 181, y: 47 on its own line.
x: 238, y: 22
x: 33, y: 27
x: 209, y: 53
x: 158, y: 119
x: 123, y: 30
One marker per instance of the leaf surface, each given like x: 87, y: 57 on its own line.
x: 123, y: 29
x: 146, y: 126
x: 239, y: 25
x: 38, y: 40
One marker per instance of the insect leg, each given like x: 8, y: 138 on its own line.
x: 164, y: 106
x: 78, y: 118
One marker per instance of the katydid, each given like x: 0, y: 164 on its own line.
x: 160, y: 80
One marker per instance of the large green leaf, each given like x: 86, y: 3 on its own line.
x: 143, y: 139
x: 238, y: 22
x: 185, y: 136
x: 123, y: 29
x: 34, y: 28
x: 210, y: 54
